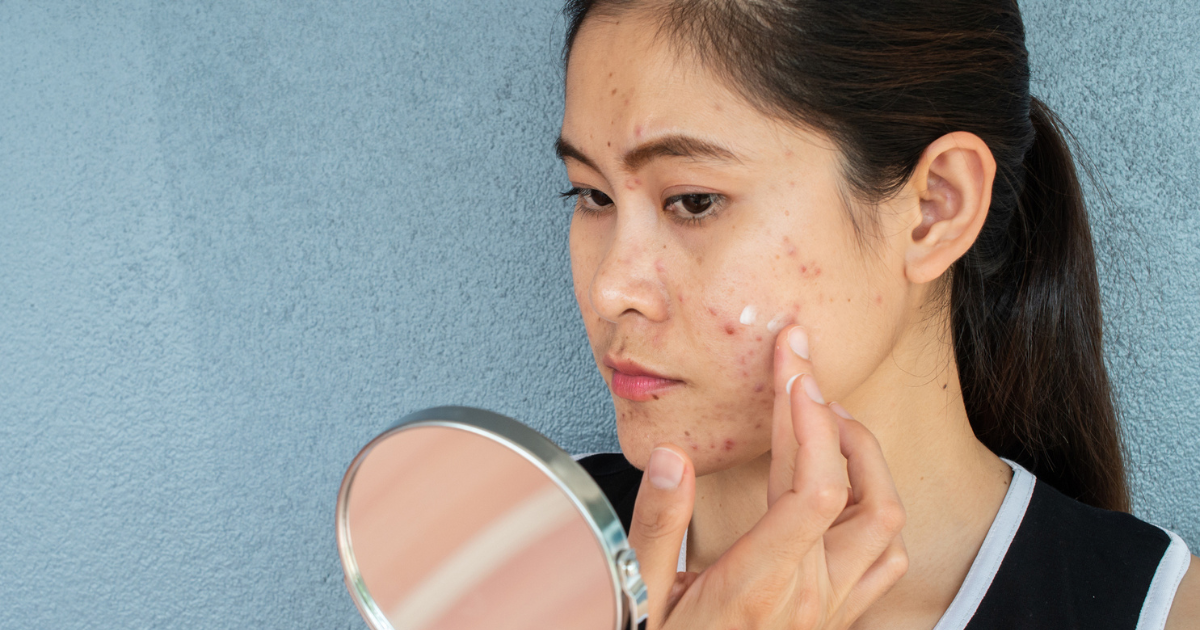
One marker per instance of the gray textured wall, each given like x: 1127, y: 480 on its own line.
x: 238, y: 238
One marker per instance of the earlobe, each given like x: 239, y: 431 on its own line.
x: 953, y: 187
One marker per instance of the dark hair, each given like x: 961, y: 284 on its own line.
x: 886, y: 79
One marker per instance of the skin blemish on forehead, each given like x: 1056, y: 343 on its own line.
x: 749, y: 315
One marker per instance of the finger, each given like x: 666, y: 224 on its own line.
x: 882, y: 575
x: 868, y: 527
x: 660, y: 518
x: 801, y: 515
x: 868, y: 471
x: 820, y: 468
x: 791, y: 358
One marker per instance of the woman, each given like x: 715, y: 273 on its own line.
x: 785, y: 203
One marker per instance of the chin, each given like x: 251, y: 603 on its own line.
x: 712, y: 443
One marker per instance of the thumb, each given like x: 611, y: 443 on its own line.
x: 660, y: 517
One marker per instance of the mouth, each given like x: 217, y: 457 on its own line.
x: 635, y: 382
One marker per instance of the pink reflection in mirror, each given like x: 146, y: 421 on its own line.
x: 454, y: 531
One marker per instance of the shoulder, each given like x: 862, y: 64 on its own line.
x: 1071, y: 565
x: 617, y: 478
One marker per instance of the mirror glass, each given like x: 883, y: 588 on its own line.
x: 444, y: 528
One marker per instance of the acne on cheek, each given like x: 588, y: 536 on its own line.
x: 810, y: 270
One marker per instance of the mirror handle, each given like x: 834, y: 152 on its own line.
x: 633, y: 589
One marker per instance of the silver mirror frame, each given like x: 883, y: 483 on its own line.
x: 571, y: 478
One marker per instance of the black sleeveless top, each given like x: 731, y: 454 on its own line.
x: 1048, y: 562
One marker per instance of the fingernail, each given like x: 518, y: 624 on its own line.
x: 810, y: 388
x: 665, y: 469
x: 790, y: 381
x: 840, y: 410
x: 798, y: 340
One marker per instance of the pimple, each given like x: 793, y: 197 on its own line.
x: 729, y: 445
x: 878, y: 299
x: 758, y: 388
x: 789, y: 246
x: 729, y: 329
x: 681, y: 297
x: 614, y: 92
x: 637, y: 130
x: 687, y: 433
x: 658, y: 266
x: 758, y: 425
x: 758, y: 338
x: 712, y: 311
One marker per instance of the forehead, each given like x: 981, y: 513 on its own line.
x: 626, y: 84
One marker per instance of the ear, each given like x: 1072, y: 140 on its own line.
x: 953, y: 185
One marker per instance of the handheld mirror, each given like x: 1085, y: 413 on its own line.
x: 462, y: 519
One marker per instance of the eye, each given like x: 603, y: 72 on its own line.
x: 693, y: 206
x: 590, y: 199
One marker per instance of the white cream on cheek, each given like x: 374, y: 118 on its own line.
x: 749, y: 315
x: 777, y: 323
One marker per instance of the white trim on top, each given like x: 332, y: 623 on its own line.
x: 991, y: 553
x: 1171, y: 568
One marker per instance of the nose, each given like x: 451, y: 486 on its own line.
x: 630, y: 278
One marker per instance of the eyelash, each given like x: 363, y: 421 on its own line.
x: 717, y: 201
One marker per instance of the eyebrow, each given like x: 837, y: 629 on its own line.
x: 669, y: 146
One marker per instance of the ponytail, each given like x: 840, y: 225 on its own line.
x: 1026, y: 315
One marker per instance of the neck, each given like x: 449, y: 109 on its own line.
x: 951, y: 485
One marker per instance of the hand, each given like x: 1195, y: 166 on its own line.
x: 828, y: 547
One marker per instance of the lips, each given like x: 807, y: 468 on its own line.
x: 633, y: 382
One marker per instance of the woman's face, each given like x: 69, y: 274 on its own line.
x: 704, y: 227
